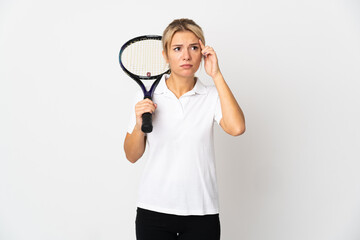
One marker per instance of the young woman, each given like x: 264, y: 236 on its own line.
x: 178, y: 196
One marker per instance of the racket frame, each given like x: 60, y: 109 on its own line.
x: 138, y: 78
x: 147, y: 117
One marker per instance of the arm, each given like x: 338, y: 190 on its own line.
x: 233, y: 121
x: 134, y: 144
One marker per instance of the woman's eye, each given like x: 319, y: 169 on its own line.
x: 177, y: 49
x: 194, y: 47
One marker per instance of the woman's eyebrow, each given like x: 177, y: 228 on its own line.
x: 191, y: 44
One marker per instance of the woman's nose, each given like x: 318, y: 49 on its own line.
x: 186, y: 54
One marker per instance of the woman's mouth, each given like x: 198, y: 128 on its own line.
x: 186, y: 66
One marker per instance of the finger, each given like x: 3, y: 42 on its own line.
x: 202, y: 46
x: 147, y: 100
x: 140, y: 113
x: 145, y: 103
x: 209, y: 51
x: 145, y: 108
x: 206, y: 53
x: 204, y: 49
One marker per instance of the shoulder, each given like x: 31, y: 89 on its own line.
x: 210, y: 90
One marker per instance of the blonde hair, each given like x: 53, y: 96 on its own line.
x: 180, y: 25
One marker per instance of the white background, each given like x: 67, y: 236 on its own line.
x: 294, y: 67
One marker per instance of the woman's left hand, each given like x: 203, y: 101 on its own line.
x: 210, y: 60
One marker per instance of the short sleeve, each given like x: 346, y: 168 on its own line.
x: 132, y: 120
x: 218, y: 113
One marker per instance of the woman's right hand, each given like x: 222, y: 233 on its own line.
x: 134, y: 144
x: 144, y: 106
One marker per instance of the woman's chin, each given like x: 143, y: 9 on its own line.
x: 188, y: 73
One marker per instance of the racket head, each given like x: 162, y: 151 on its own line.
x: 141, y: 58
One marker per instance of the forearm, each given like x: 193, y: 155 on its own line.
x: 233, y: 121
x: 134, y: 145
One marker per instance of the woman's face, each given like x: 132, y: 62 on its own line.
x: 184, y: 54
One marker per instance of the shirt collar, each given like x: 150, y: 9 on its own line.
x: 199, y: 87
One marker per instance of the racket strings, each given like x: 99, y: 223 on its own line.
x: 144, y: 58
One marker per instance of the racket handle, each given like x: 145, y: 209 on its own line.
x: 146, y: 126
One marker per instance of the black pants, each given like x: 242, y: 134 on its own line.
x: 152, y: 225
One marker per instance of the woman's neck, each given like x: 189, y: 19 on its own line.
x: 179, y: 85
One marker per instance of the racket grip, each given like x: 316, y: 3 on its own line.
x: 146, y: 126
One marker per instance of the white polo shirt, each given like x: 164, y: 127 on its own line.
x: 180, y: 176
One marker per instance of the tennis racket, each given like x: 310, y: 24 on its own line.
x: 141, y: 58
